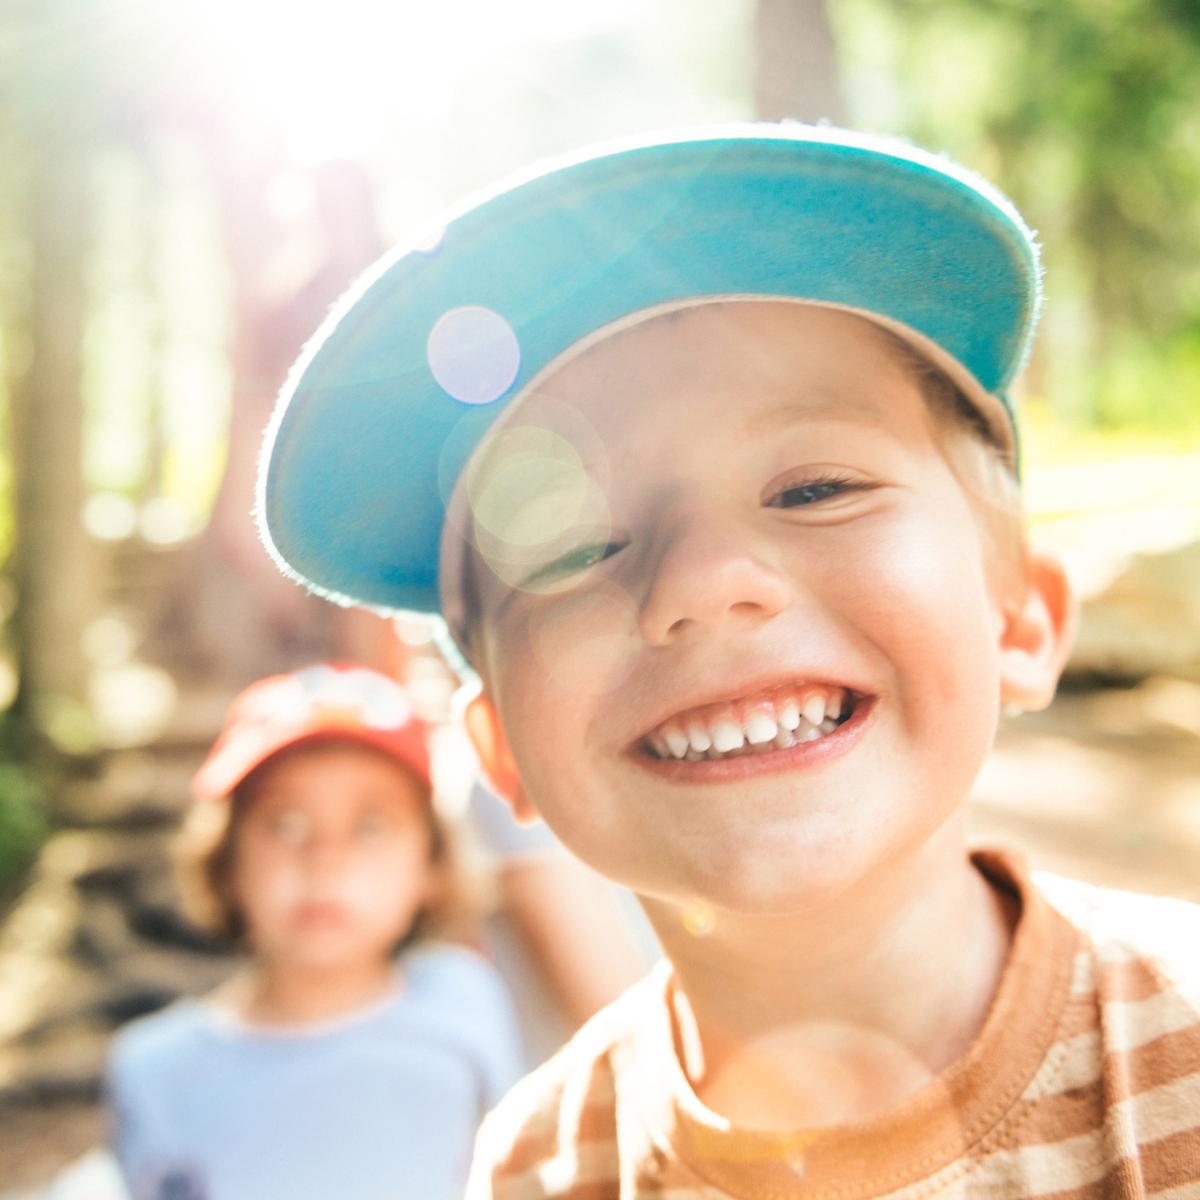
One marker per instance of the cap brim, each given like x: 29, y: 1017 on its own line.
x: 232, y: 762
x: 366, y: 447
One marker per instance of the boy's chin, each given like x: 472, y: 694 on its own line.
x: 786, y: 884
x: 795, y: 873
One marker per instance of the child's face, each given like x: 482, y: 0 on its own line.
x: 331, y: 858
x: 768, y: 519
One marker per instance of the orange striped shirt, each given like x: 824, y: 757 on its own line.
x: 1083, y: 1083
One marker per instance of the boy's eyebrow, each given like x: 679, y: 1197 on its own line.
x: 817, y: 404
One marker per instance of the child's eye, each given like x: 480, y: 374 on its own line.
x: 572, y: 563
x: 814, y: 491
x: 290, y: 826
x: 372, y: 827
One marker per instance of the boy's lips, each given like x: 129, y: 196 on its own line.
x: 765, y: 721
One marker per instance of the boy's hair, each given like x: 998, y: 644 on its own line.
x: 206, y: 846
x: 985, y: 469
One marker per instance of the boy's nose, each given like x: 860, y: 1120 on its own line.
x: 709, y: 573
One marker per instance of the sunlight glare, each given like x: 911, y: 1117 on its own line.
x: 335, y: 77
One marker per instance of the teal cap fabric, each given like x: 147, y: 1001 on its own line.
x: 397, y: 388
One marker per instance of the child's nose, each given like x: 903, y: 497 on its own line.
x: 325, y: 853
x: 710, y: 573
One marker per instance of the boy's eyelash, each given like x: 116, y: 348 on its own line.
x: 579, y: 559
x: 814, y: 490
x: 809, y: 491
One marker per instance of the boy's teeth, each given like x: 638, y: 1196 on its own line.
x: 677, y: 741
x: 727, y: 736
x: 760, y: 729
x: 778, y: 723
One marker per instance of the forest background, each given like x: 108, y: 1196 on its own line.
x: 186, y: 185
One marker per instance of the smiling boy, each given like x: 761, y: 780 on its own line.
x: 706, y: 441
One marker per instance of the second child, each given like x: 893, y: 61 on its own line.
x: 328, y: 1066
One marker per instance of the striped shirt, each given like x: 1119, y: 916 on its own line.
x: 1083, y: 1083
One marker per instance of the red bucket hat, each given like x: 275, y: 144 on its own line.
x: 331, y: 700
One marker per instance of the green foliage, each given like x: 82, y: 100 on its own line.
x: 1152, y: 384
x: 1087, y: 112
x: 23, y: 818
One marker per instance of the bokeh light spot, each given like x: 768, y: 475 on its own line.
x: 532, y: 501
x: 529, y: 488
x: 699, y: 920
x: 473, y: 354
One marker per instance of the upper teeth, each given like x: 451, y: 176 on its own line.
x: 727, y: 736
x: 799, y: 715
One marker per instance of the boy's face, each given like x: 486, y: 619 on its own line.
x: 758, y: 514
x: 331, y: 857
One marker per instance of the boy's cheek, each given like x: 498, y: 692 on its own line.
x: 936, y: 597
x: 580, y: 639
x: 571, y: 643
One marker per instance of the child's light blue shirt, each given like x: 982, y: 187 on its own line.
x: 379, y: 1105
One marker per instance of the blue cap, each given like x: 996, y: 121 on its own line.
x: 395, y: 391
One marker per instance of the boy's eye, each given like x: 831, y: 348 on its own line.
x: 813, y: 491
x: 572, y: 563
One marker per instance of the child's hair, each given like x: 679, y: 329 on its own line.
x: 204, y: 855
x: 984, y: 469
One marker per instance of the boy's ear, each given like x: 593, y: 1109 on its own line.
x: 483, y: 727
x: 1039, y: 626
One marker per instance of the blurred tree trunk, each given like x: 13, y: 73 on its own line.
x: 233, y: 615
x: 52, y: 559
x: 796, y: 70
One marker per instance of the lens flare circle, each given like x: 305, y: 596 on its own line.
x: 474, y: 354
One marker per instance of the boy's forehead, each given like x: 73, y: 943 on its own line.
x: 766, y: 363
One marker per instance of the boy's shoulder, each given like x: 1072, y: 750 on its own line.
x: 1128, y: 932
x: 1127, y: 993
x: 564, y: 1113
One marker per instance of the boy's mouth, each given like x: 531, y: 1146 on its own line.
x: 777, y: 719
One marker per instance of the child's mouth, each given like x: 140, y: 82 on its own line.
x: 775, y: 720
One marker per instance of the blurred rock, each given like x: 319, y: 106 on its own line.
x: 98, y: 938
x: 134, y: 790
x: 66, y: 1066
x: 1146, y: 622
